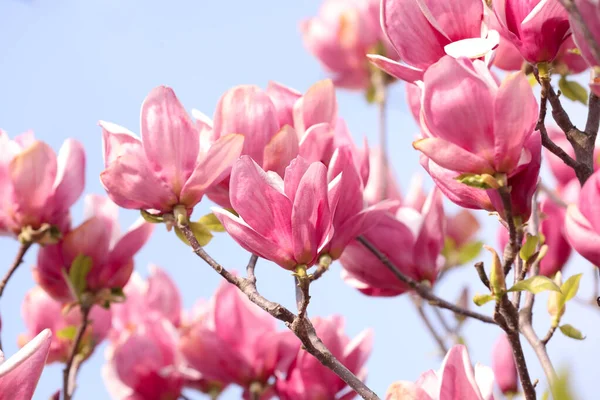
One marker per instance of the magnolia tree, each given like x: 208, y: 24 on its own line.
x: 291, y: 186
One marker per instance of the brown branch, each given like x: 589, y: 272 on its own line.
x: 549, y: 335
x: 74, y: 361
x: 421, y: 289
x: 302, y: 284
x: 587, y: 34
x: 481, y: 272
x: 301, y: 327
x: 250, y: 269
x: 418, y: 302
x: 512, y: 248
x: 18, y: 261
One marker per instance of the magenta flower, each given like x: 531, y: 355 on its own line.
x: 381, y: 184
x: 537, y: 27
x: 411, y: 239
x: 590, y: 12
x: 20, y: 373
x: 308, y: 379
x: 157, y: 297
x: 171, y: 165
x: 472, y: 124
x: 98, y: 238
x: 454, y: 380
x: 231, y: 340
x: 145, y: 364
x: 504, y: 367
x: 37, y: 186
x: 582, y: 223
x: 424, y: 31
x: 287, y: 221
x: 41, y: 312
x: 340, y: 37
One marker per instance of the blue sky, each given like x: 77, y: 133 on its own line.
x: 66, y: 64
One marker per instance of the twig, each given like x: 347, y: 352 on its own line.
x: 301, y: 327
x: 18, y: 260
x: 589, y: 38
x: 549, y: 334
x: 72, y: 366
x: 302, y: 284
x: 511, y: 250
x: 421, y: 289
x: 250, y: 269
x: 417, y: 301
x: 481, y: 272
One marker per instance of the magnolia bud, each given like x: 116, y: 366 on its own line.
x: 497, y: 281
x: 556, y: 304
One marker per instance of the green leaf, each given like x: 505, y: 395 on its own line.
x: 532, y: 81
x: 212, y: 223
x: 469, y: 251
x: 573, y: 90
x: 483, y: 181
x: 570, y: 287
x: 529, y: 247
x: 201, y: 232
x: 481, y: 299
x: 80, y: 268
x: 535, y: 285
x: 67, y: 333
x: 571, y: 331
x: 155, y: 219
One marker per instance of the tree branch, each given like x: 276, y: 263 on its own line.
x: 301, y: 327
x: 18, y: 261
x: 512, y: 248
x: 418, y: 302
x: 421, y: 289
x: 75, y: 359
x: 549, y: 335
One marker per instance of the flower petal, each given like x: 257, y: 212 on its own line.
x: 281, y: 150
x: 70, y: 177
x: 580, y: 234
x: 403, y: 72
x: 284, y: 99
x: 450, y: 156
x: 318, y: 105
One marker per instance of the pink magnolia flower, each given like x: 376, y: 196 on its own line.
x: 461, y: 227
x: 551, y: 227
x: 381, y: 184
x: 41, y: 312
x: 308, y: 379
x: 38, y: 187
x: 20, y: 373
x: 145, y: 364
x: 287, y: 221
x: 424, y: 31
x: 537, y: 28
x: 171, y: 165
x: 340, y: 37
x: 454, y: 380
x: 412, y: 240
x: 582, y: 223
x: 157, y: 297
x: 462, y: 96
x: 231, y: 340
x: 99, y: 239
x: 590, y: 13
x: 504, y: 367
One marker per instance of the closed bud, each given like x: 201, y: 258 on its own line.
x: 497, y: 281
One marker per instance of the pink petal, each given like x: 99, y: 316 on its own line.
x: 132, y: 241
x: 212, y: 168
x: 171, y: 140
x: 516, y: 113
x: 457, y: 378
x: 281, y: 150
x: 252, y: 241
x: 318, y: 105
x: 102, y: 207
x: 588, y: 204
x: 317, y: 144
x: 406, y: 391
x: 92, y: 239
x: 284, y: 99
x: 580, y: 234
x: 403, y: 72
x: 248, y: 111
x: 358, y: 350
x: 163, y: 295
x: 450, y: 156
x: 430, y: 240
x: 19, y: 374
x: 70, y: 177
x: 116, y: 141
x: 293, y: 175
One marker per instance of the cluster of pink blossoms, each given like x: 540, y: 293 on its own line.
x: 295, y: 189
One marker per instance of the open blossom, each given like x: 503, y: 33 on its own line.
x: 551, y: 227
x: 231, y: 340
x: 287, y: 221
x: 504, y: 367
x: 41, y: 312
x: 424, y: 31
x: 582, y: 223
x: 157, y: 297
x: 472, y: 124
x: 411, y: 239
x: 454, y: 380
x: 308, y: 379
x: 171, y: 165
x: 145, y: 364
x: 38, y: 187
x: 341, y: 35
x: 98, y: 238
x: 537, y: 28
x: 590, y: 14
x: 20, y: 373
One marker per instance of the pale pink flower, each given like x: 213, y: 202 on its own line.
x: 504, y: 367
x: 97, y: 237
x: 41, y: 312
x: 455, y: 380
x: 171, y: 165
x: 411, y: 239
x: 38, y: 187
x: 20, y: 373
x: 308, y: 379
